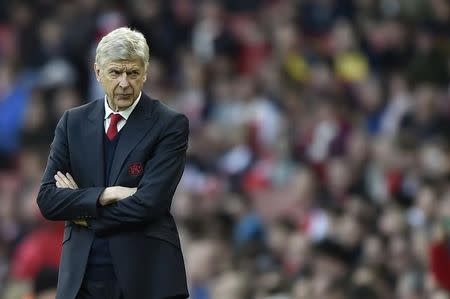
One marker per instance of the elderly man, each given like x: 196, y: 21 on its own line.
x: 113, y: 168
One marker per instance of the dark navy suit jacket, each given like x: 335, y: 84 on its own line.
x: 141, y: 232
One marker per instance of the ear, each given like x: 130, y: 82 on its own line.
x: 97, y: 71
x: 146, y: 68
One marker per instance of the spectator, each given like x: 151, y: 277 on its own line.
x: 44, y: 285
x: 318, y: 145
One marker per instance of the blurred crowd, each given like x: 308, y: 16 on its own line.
x: 319, y: 154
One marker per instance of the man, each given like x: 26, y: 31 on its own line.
x: 113, y: 167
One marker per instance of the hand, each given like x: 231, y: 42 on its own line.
x: 110, y: 194
x: 113, y: 194
x: 65, y: 181
x: 124, y: 192
x: 81, y: 222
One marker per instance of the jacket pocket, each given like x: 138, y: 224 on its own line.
x: 165, y: 234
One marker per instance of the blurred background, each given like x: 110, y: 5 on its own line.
x: 319, y: 157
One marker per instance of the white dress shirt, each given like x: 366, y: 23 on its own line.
x: 125, y: 114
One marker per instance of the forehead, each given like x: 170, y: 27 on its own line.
x: 124, y: 64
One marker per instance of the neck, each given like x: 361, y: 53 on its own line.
x: 113, y: 108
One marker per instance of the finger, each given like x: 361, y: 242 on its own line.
x: 72, y: 181
x: 64, y: 180
x: 130, y: 191
x: 80, y: 222
x: 58, y: 182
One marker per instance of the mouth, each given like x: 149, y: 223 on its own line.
x: 124, y: 95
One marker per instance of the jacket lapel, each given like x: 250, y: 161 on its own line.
x: 94, y: 131
x: 136, y: 127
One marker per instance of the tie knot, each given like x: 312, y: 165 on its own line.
x: 115, y: 118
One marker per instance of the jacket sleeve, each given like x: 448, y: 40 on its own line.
x: 162, y: 173
x: 64, y: 203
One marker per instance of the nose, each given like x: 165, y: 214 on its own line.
x: 123, y: 80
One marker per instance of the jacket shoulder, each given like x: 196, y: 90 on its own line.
x: 86, y: 108
x: 166, y: 112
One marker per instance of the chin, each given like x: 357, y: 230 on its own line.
x: 123, y: 107
x: 123, y: 102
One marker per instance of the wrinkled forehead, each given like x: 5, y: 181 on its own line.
x: 125, y: 64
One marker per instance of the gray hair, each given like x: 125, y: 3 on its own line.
x: 122, y: 44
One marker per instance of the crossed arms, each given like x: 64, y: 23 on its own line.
x: 109, y: 195
x: 60, y: 199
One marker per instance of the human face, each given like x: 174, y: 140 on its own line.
x: 122, y: 81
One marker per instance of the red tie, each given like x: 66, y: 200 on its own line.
x: 112, y: 129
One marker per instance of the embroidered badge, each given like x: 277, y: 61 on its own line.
x: 135, y: 169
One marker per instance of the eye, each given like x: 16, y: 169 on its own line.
x: 114, y: 73
x: 134, y: 74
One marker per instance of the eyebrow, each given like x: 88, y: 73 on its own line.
x: 119, y: 68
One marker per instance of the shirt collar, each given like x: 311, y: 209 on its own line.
x: 124, y: 113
